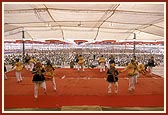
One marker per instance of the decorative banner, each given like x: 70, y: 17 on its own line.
x: 80, y: 41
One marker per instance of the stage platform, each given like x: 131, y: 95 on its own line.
x: 84, y: 89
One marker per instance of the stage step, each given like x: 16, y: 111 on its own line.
x: 81, y: 108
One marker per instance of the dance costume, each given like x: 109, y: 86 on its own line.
x: 112, y: 78
x: 19, y: 68
x: 80, y: 62
x: 141, y: 68
x: 102, y: 63
x: 32, y: 62
x: 151, y: 64
x: 49, y: 75
x: 27, y: 58
x: 38, y: 79
x: 132, y: 73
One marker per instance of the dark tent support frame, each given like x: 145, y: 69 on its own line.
x: 134, y: 44
x: 23, y: 45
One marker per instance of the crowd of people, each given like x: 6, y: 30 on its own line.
x: 63, y: 58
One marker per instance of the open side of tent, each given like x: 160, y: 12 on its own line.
x: 84, y: 21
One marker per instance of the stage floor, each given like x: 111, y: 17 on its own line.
x: 88, y: 88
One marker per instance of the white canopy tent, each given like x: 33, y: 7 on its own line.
x: 93, y: 21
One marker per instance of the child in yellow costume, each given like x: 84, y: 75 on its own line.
x: 32, y: 62
x: 132, y: 73
x: 49, y: 74
x: 102, y: 62
x: 141, y: 68
x: 18, y: 68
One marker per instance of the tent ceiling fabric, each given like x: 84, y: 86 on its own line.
x: 84, y: 21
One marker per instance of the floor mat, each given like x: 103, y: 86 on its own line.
x: 83, y: 90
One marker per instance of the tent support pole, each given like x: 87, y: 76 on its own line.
x: 134, y: 45
x: 23, y: 45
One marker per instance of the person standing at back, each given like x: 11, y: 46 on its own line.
x: 151, y: 64
x: 32, y: 62
x: 102, y: 62
x: 80, y: 63
x: 27, y: 58
x: 18, y: 68
x: 5, y: 70
x: 111, y: 61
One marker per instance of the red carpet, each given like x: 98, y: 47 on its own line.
x: 83, y: 88
x: 92, y: 73
x: 45, y: 101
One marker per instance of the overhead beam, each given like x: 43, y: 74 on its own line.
x: 81, y: 10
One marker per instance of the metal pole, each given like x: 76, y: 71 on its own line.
x: 134, y: 45
x: 23, y: 45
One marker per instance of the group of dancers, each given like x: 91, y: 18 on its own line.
x: 133, y: 68
x: 42, y: 73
